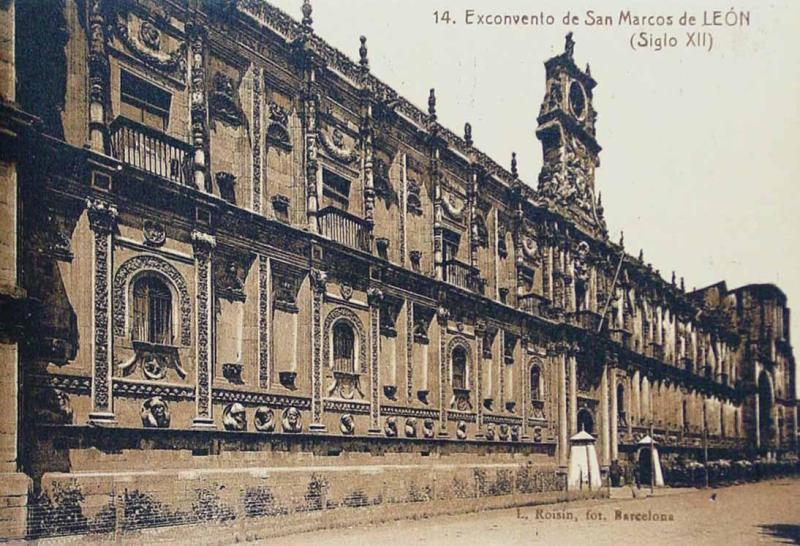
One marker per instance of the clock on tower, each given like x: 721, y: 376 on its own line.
x: 567, y: 132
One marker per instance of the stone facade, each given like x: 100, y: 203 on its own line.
x: 235, y: 248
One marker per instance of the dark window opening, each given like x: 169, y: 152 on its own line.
x: 336, y: 189
x: 144, y: 102
x: 152, y: 311
x: 343, y: 348
x: 459, y: 368
x: 536, y: 384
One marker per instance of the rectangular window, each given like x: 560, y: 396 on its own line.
x: 144, y: 102
x: 336, y: 189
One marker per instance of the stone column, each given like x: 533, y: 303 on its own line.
x: 203, y: 244
x: 525, y: 382
x: 605, y: 427
x: 442, y: 316
x: 614, y: 415
x: 310, y: 102
x: 573, y: 392
x: 563, y: 432
x: 374, y: 296
x: 636, y: 404
x: 319, y: 281
x: 98, y: 77
x: 480, y: 332
x: 265, y: 321
x: 102, y: 220
x: 198, y: 106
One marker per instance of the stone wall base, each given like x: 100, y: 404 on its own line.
x: 14, y: 490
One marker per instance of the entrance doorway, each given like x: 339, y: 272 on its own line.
x: 585, y: 421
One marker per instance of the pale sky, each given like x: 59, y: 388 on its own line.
x: 700, y: 160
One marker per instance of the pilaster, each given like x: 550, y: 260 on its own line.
x: 203, y: 244
x: 102, y: 220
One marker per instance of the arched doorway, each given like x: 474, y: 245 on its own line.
x: 645, y: 465
x: 585, y: 421
x: 766, y: 426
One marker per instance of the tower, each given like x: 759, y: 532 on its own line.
x: 567, y: 132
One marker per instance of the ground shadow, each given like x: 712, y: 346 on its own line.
x: 785, y: 533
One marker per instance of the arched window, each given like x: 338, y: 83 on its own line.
x: 536, y: 383
x: 152, y: 311
x: 459, y: 368
x: 344, y: 341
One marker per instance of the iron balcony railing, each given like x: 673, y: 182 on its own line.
x: 150, y: 150
x: 462, y: 275
x: 344, y: 228
x: 533, y: 304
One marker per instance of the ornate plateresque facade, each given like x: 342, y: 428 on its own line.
x: 232, y: 239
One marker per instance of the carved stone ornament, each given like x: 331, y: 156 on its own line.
x: 51, y: 406
x: 481, y: 233
x: 345, y: 385
x: 229, y: 281
x: 346, y: 291
x: 264, y: 419
x: 140, y: 45
x: 391, y: 427
x: 155, y: 413
x: 411, y: 427
x: 334, y: 146
x: 490, y: 432
x: 461, y: 430
x: 504, y: 432
x: 150, y: 263
x: 428, y: 428
x: 413, y: 200
x: 460, y: 400
x: 150, y: 36
x: 154, y: 360
x: 234, y: 417
x: 347, y: 424
x: 292, y: 420
x: 154, y: 233
x: 454, y: 207
x: 223, y: 101
x: 278, y: 128
x: 515, y: 433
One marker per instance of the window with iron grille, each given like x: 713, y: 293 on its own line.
x: 143, y: 102
x: 459, y: 368
x: 336, y: 189
x: 343, y: 348
x: 152, y: 311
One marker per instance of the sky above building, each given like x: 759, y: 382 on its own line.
x: 700, y: 161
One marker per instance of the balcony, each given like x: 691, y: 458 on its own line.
x: 344, y: 228
x: 533, y: 304
x: 462, y: 275
x: 151, y: 151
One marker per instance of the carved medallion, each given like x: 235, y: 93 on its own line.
x: 234, y: 417
x: 461, y: 430
x: 347, y: 424
x: 292, y: 420
x: 154, y: 233
x: 391, y: 427
x: 264, y: 419
x: 155, y: 413
x: 411, y: 427
x: 428, y: 428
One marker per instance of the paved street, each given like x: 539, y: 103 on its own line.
x: 763, y: 513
